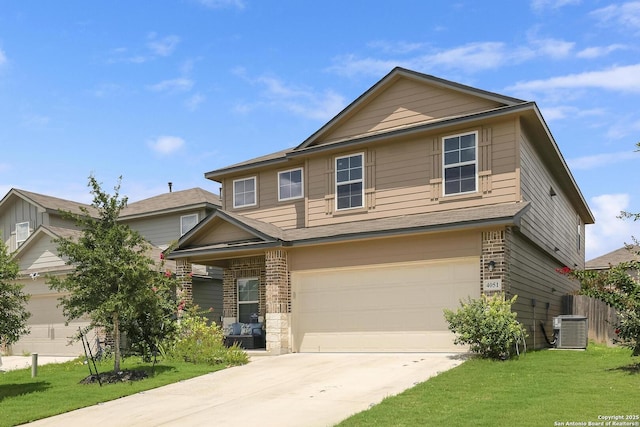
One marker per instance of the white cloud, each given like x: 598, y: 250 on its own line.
x: 552, y: 48
x: 563, y: 111
x: 609, y: 232
x: 301, y: 101
x: 194, y: 101
x: 622, y: 16
x: 601, y: 160
x: 222, y: 4
x: 3, y: 57
x: 619, y: 78
x: 164, y: 46
x: 599, y: 51
x: 181, y: 84
x: 551, y: 4
x: 166, y: 144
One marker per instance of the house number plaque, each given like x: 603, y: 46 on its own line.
x: 492, y: 285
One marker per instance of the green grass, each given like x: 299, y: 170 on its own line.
x: 542, y: 388
x: 56, y: 388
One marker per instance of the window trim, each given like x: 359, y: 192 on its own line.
x: 361, y: 180
x: 182, y: 218
x: 238, y: 302
x: 475, y: 162
x: 28, y: 233
x: 255, y: 192
x: 282, y: 199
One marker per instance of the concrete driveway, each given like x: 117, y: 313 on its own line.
x: 299, y: 390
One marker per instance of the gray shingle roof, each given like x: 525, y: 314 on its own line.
x: 54, y: 203
x: 185, y: 199
x: 624, y: 254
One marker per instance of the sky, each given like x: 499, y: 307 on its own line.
x: 166, y: 91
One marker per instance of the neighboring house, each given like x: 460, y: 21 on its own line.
x: 31, y: 222
x: 420, y: 193
x: 626, y: 253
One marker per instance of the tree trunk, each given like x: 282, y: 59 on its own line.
x: 116, y: 343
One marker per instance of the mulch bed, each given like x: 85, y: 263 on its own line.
x: 115, y: 377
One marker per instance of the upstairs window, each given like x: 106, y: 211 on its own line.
x: 290, y: 184
x: 22, y: 232
x: 244, y: 192
x: 349, y: 182
x: 187, y: 222
x: 460, y: 163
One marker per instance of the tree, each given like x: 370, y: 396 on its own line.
x: 113, y: 281
x: 13, y: 312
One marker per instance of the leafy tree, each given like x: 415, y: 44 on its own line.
x: 114, y: 281
x: 13, y: 313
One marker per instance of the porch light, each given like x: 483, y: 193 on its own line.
x: 491, y: 265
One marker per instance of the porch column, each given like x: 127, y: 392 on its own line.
x: 278, y: 301
x: 185, y: 279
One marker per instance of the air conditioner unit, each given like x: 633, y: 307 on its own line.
x: 571, y: 331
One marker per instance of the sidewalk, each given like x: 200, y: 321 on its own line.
x: 10, y: 363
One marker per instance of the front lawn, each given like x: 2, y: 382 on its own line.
x: 542, y: 388
x: 57, y: 388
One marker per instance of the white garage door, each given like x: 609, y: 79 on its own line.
x: 385, y: 308
x: 49, y: 335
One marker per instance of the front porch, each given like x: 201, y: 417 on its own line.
x: 256, y: 294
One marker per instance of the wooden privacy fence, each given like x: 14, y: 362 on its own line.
x: 602, y: 317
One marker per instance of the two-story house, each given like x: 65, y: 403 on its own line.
x: 420, y: 193
x: 30, y: 223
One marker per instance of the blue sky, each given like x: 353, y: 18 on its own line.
x: 168, y: 90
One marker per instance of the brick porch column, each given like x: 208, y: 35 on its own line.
x: 278, y: 301
x: 183, y: 274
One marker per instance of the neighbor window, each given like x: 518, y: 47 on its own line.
x: 22, y: 232
x: 349, y: 182
x: 244, y: 192
x: 248, y: 299
x: 290, y: 184
x: 460, y: 163
x: 187, y: 222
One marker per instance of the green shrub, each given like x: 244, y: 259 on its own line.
x: 487, y: 325
x: 198, y: 342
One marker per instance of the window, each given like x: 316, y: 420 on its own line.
x: 349, y: 182
x: 244, y: 192
x: 187, y: 222
x: 460, y: 164
x: 248, y: 299
x: 22, y: 232
x: 579, y: 236
x: 290, y: 184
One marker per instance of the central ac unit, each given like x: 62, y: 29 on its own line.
x: 571, y: 331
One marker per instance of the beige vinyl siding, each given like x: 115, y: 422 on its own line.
x: 404, y: 174
x: 532, y: 276
x: 18, y: 211
x: 551, y: 222
x: 41, y: 256
x: 223, y: 232
x: 406, y: 103
x: 284, y: 214
x: 390, y: 250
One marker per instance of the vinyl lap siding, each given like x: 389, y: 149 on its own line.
x: 41, y: 256
x: 406, y: 103
x: 551, y: 221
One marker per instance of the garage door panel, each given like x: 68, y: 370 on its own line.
x: 396, y: 307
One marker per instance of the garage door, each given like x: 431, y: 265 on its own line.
x: 49, y: 335
x: 382, y: 308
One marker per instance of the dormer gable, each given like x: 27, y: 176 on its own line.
x: 403, y: 99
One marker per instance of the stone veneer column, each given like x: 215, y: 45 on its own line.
x: 278, y: 299
x: 494, y: 249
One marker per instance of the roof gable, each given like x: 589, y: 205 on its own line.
x: 45, y: 203
x: 190, y: 199
x: 39, y: 252
x: 403, y: 99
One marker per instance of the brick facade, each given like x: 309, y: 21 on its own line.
x: 494, y: 248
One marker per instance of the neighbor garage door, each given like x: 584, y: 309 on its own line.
x: 385, y: 308
x: 49, y: 335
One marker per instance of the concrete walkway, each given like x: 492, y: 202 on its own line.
x: 10, y: 363
x: 291, y: 390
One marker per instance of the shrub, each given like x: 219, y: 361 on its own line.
x: 198, y: 342
x: 487, y: 325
